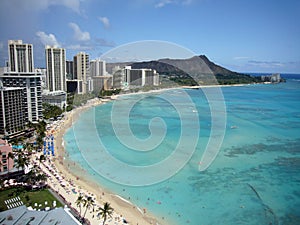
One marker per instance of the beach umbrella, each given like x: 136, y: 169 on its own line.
x: 52, y: 149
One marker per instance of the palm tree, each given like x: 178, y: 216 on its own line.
x: 87, y: 204
x: 22, y: 160
x: 80, y: 200
x: 42, y: 158
x: 10, y: 155
x: 105, y: 212
x: 1, y: 162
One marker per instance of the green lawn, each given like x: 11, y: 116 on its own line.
x: 29, y: 198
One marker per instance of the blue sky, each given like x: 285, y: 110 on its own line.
x: 242, y: 35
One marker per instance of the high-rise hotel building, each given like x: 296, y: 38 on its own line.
x: 20, y: 57
x: 56, y: 68
x: 81, y: 69
x: 21, y: 74
x: 97, y: 68
x: 12, y: 116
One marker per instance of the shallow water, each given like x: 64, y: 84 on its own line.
x: 254, y: 179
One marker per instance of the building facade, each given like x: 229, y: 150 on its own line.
x: 32, y: 92
x: 97, y: 68
x: 102, y: 83
x: 75, y: 86
x: 21, y: 74
x: 56, y: 68
x: 81, y: 69
x: 12, y: 114
x: 58, y: 98
x: 140, y: 77
x: 20, y: 57
x: 69, y: 69
x: 7, y: 163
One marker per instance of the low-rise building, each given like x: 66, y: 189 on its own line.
x: 22, y: 215
x: 58, y: 98
x: 75, y: 86
x: 7, y: 163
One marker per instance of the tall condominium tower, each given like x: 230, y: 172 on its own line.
x: 20, y: 57
x: 56, y: 68
x: 81, y: 67
x: 97, y: 68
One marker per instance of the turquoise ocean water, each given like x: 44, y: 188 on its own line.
x: 255, y: 178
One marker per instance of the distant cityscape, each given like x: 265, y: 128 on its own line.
x: 25, y: 88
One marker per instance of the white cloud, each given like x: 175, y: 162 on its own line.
x: 78, y: 34
x: 265, y: 64
x: 105, y: 22
x: 79, y: 47
x: 187, y: 2
x: 163, y: 3
x: 47, y: 39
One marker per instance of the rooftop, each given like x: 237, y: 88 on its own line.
x: 21, y: 215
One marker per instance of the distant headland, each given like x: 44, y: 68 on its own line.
x: 198, y: 70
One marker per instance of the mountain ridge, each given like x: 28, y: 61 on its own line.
x: 197, y: 70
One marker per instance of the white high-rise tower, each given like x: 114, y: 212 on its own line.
x: 20, y: 57
x: 56, y: 68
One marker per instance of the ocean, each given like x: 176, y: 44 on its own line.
x: 148, y: 148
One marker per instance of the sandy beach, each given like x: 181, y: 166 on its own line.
x: 76, y: 176
x: 122, y: 208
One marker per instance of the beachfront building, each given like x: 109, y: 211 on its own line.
x: 97, y: 68
x: 89, y: 84
x: 102, y: 83
x: 32, y: 92
x: 20, y: 73
x: 69, y: 69
x: 274, y: 78
x: 23, y: 215
x: 20, y: 57
x: 140, y: 77
x: 42, y: 72
x: 12, y: 111
x: 75, y: 86
x: 118, y: 78
x: 56, y: 68
x: 81, y: 69
x: 7, y: 162
x: 58, y: 98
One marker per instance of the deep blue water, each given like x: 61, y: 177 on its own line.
x: 254, y: 179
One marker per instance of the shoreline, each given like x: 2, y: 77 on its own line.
x: 122, y: 207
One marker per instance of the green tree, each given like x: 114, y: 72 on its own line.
x: 10, y: 155
x: 22, y: 160
x: 42, y: 158
x: 105, y: 212
x: 51, y: 111
x: 88, y: 202
x: 79, y: 202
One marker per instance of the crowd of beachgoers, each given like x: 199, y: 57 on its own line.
x: 70, y: 186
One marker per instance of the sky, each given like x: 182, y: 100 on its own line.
x: 241, y: 35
